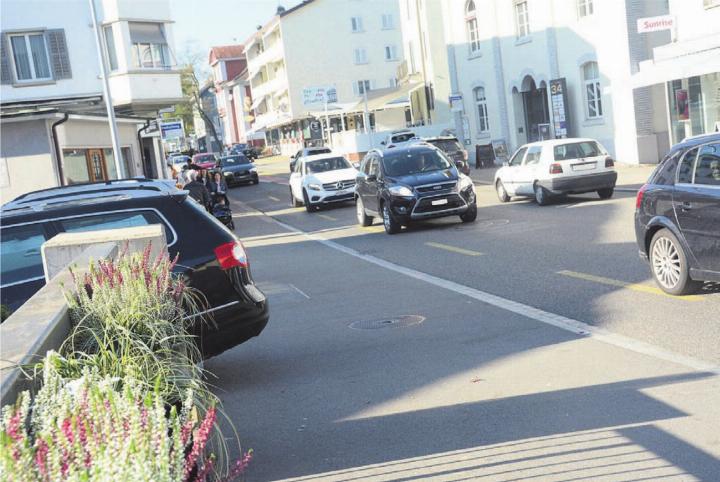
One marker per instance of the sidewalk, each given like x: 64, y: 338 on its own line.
x: 630, y: 176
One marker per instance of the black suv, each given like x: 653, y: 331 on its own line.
x: 412, y: 183
x: 211, y: 258
x: 237, y: 169
x: 677, y: 216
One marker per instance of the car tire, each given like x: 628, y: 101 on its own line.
x: 362, y: 217
x: 541, y: 196
x: 470, y: 215
x: 606, y: 193
x: 309, y: 207
x: 501, y: 192
x: 294, y: 202
x: 389, y: 222
x: 669, y: 265
x: 256, y: 181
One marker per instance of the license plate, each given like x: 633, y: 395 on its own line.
x: 343, y: 191
x: 439, y: 202
x: 588, y: 166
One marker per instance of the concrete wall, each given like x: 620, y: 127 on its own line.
x: 25, y: 154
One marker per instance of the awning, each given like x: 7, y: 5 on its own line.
x: 336, y: 109
x: 686, y: 62
x: 389, y: 98
x: 257, y: 102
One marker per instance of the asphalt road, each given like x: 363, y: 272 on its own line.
x: 340, y: 387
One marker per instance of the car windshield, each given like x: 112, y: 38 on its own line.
x: 180, y: 159
x: 446, y: 145
x: 403, y: 137
x: 415, y: 162
x: 205, y: 158
x: 235, y: 160
x: 329, y: 164
x: 577, y: 150
x: 319, y: 150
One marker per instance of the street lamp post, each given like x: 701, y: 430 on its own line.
x: 117, y: 153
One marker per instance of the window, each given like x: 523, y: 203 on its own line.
x: 533, y: 155
x: 577, y: 150
x: 707, y: 167
x: 361, y: 56
x: 125, y: 219
x: 685, y: 170
x: 522, y: 21
x: 356, y: 24
x: 518, y: 157
x: 593, y: 94
x: 390, y: 52
x: 481, y: 103
x: 361, y: 86
x: 149, y: 47
x: 30, y: 57
x: 471, y: 27
x: 110, y: 47
x: 393, y: 82
x: 387, y: 21
x: 20, y: 253
x: 585, y: 8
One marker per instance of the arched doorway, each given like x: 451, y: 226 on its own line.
x: 535, y: 107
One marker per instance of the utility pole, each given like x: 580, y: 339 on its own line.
x: 422, y: 60
x: 117, y: 153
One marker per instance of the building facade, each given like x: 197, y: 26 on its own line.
x: 348, y: 46
x: 54, y: 124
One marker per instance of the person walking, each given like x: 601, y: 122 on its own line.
x: 218, y: 188
x: 197, y: 190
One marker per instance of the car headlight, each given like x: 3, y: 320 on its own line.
x: 400, y: 191
x: 315, y: 187
x: 465, y: 182
x: 227, y: 173
x: 253, y: 169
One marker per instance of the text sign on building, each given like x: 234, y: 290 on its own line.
x: 655, y: 24
x: 172, y: 129
x: 560, y: 111
x: 456, y: 102
x: 319, y: 95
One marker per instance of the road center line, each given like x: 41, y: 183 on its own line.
x: 623, y: 284
x: 447, y: 247
x: 558, y: 321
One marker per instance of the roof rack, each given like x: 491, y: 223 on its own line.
x: 98, y: 183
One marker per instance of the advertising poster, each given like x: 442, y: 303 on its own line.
x: 559, y: 104
x: 682, y: 106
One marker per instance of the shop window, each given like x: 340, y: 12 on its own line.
x: 30, y: 57
x: 481, y: 104
x: 585, y: 8
x: 471, y: 27
x: 149, y: 46
x: 593, y: 91
x: 522, y: 20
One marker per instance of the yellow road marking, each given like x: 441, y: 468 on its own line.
x: 642, y: 288
x: 273, y: 198
x: 373, y: 229
x: 329, y: 218
x: 446, y: 247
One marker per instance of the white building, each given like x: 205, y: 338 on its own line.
x: 506, y: 59
x: 350, y: 45
x: 54, y: 125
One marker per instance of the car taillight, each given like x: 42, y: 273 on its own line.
x: 609, y: 162
x: 555, y: 168
x: 231, y: 255
x: 640, y: 194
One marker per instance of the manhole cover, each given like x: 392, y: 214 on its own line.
x: 396, y: 322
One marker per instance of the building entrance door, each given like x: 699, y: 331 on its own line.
x: 536, y: 109
x: 97, y: 170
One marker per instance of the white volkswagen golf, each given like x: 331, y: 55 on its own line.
x: 321, y: 180
x: 557, y: 167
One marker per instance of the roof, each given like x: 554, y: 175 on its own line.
x: 557, y: 142
x: 223, y: 52
x: 296, y: 7
x: 88, y: 193
x: 699, y: 139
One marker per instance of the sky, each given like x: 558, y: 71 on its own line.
x: 201, y: 24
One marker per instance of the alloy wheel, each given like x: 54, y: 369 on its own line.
x: 666, y: 262
x: 386, y: 217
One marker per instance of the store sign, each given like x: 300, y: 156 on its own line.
x: 456, y: 103
x: 172, y: 129
x: 559, y: 103
x: 656, y: 24
x: 319, y: 95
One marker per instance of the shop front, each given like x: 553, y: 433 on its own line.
x: 694, y: 106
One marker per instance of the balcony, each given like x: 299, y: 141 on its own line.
x: 140, y: 93
x: 270, y: 55
x: 269, y: 87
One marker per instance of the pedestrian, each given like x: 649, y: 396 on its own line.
x: 197, y: 190
x: 218, y: 189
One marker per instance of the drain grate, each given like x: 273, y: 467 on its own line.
x: 397, y: 322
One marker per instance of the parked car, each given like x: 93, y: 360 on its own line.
x: 557, y: 167
x: 409, y: 184
x: 205, y: 160
x: 178, y: 161
x: 399, y: 139
x: 452, y: 147
x: 308, y: 151
x: 237, y: 169
x: 322, y: 179
x: 677, y: 216
x: 242, y: 148
x: 211, y: 257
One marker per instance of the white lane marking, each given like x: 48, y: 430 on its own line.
x: 273, y: 198
x: 559, y: 321
x: 299, y: 290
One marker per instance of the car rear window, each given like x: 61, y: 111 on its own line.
x: 576, y: 150
x: 125, y: 219
x: 402, y: 137
x: 234, y: 160
x: 20, y: 253
x: 318, y: 150
x: 447, y: 145
x: 330, y: 164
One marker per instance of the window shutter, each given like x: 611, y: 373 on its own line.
x: 58, y: 53
x: 5, y: 68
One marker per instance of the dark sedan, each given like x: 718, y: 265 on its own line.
x: 451, y: 146
x: 237, y: 169
x: 677, y: 216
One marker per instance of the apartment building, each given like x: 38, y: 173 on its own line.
x: 350, y: 47
x: 54, y: 125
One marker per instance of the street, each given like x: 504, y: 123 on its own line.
x: 537, y: 347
